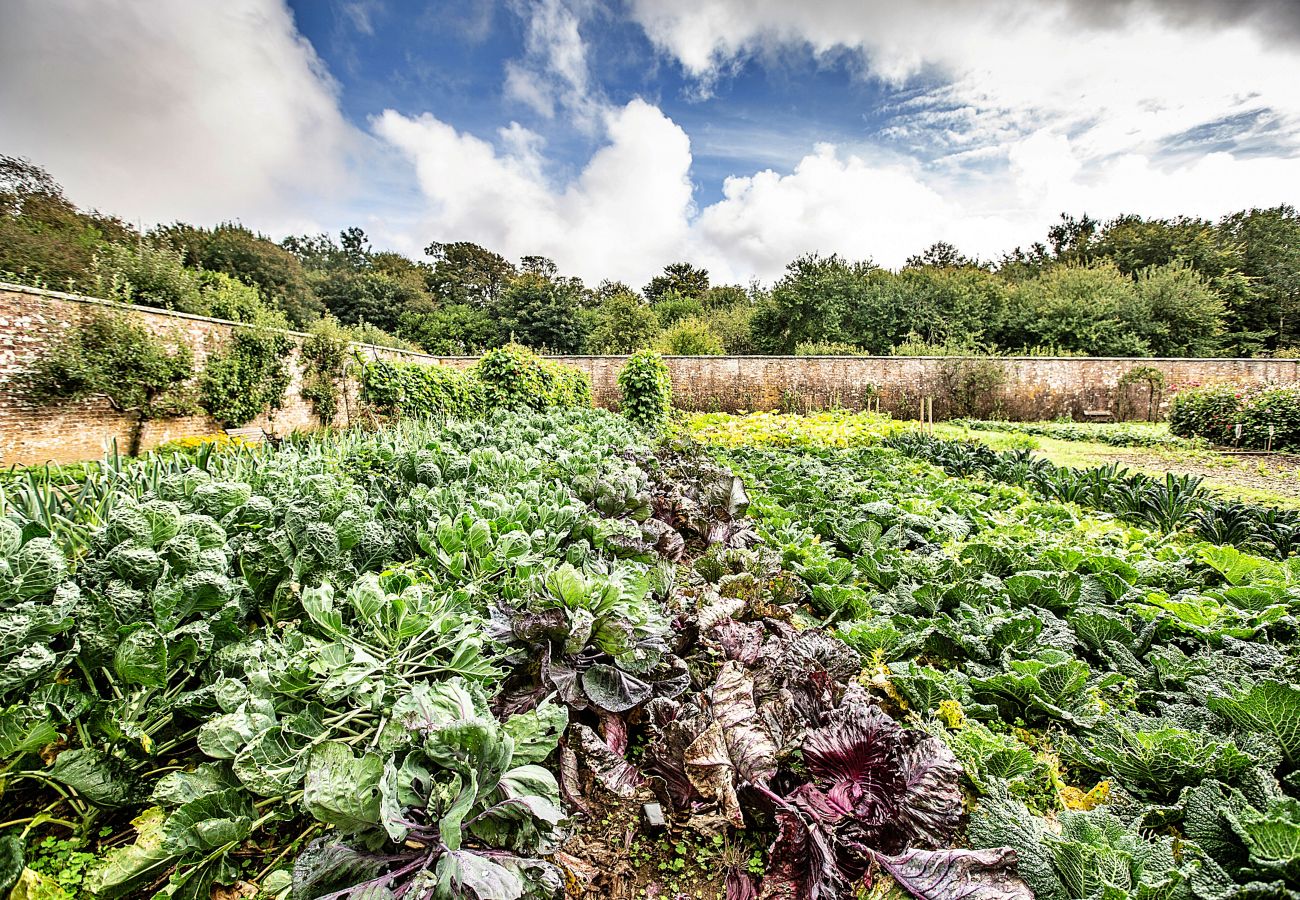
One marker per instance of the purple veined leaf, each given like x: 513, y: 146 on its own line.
x: 853, y: 756
x: 613, y: 690
x: 742, y: 642
x: 614, y: 729
x: 931, y: 805
x: 740, y: 885
x: 570, y: 781
x: 619, y: 777
x: 665, y: 757
x: 733, y: 750
x: 564, y: 679
x: 802, y: 858
x: 956, y: 874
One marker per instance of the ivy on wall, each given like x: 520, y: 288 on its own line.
x: 247, y: 376
x: 118, y: 358
x: 324, y: 358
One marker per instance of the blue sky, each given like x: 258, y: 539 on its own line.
x: 619, y: 136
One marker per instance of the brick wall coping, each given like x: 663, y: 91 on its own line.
x: 177, y: 314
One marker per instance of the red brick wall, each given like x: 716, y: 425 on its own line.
x: 29, y: 433
x: 1027, y: 388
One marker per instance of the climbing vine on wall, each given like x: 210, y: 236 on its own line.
x: 247, y: 376
x: 324, y: 367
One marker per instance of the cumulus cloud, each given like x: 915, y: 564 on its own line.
x: 624, y: 215
x: 159, y: 111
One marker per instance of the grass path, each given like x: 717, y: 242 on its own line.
x: 1257, y: 479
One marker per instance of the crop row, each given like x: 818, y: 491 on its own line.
x: 1121, y: 702
x: 1169, y: 504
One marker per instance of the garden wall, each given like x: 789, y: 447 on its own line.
x: 32, y: 319
x: 1024, y: 388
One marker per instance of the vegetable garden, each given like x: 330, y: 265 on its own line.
x: 550, y: 651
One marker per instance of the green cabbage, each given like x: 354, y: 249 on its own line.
x: 138, y: 565
x: 203, y: 529
x: 37, y: 569
x: 164, y: 520
x: 220, y: 498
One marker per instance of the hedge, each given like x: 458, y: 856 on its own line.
x: 510, y: 376
x: 1214, y: 411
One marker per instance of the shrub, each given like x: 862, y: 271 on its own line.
x: 1278, y: 407
x: 647, y: 390
x: 247, y: 376
x: 690, y: 337
x: 828, y: 348
x: 514, y: 376
x: 117, y: 357
x: 509, y: 377
x: 417, y: 391
x: 324, y: 366
x: 1208, y: 412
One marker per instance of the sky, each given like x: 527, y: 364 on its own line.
x: 617, y: 137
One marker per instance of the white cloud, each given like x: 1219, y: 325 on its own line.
x: 554, y: 71
x: 1119, y: 82
x: 162, y: 111
x: 625, y: 215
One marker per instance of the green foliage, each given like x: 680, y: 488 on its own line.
x: 622, y: 323
x: 828, y: 348
x: 647, y: 390
x: 324, y: 355
x: 247, y: 376
x: 454, y: 328
x: 542, y: 312
x: 252, y: 259
x: 1206, y: 412
x: 689, y: 337
x: 514, y: 377
x: 114, y: 356
x: 680, y: 278
x: 414, y: 390
x: 1212, y: 412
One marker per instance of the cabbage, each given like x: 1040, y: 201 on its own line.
x: 348, y: 526
x: 258, y: 511
x: 181, y: 553
x: 207, y: 589
x: 213, y: 560
x: 138, y: 565
x: 37, y: 569
x: 11, y: 536
x: 219, y: 498
x: 204, y: 529
x: 125, y: 524
x: 164, y: 520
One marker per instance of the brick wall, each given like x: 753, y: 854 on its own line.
x: 1025, y: 388
x: 31, y: 320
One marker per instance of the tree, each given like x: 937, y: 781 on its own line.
x: 370, y: 296
x: 681, y: 278
x: 252, y: 258
x: 940, y: 254
x: 116, y: 357
x: 464, y: 272
x: 1071, y: 238
x: 1176, y: 311
x: 44, y: 238
x: 543, y: 314
x: 824, y: 298
x: 623, y: 322
x: 690, y: 337
x: 454, y: 328
x: 1270, y: 247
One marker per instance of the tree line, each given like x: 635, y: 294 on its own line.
x: 1131, y: 286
